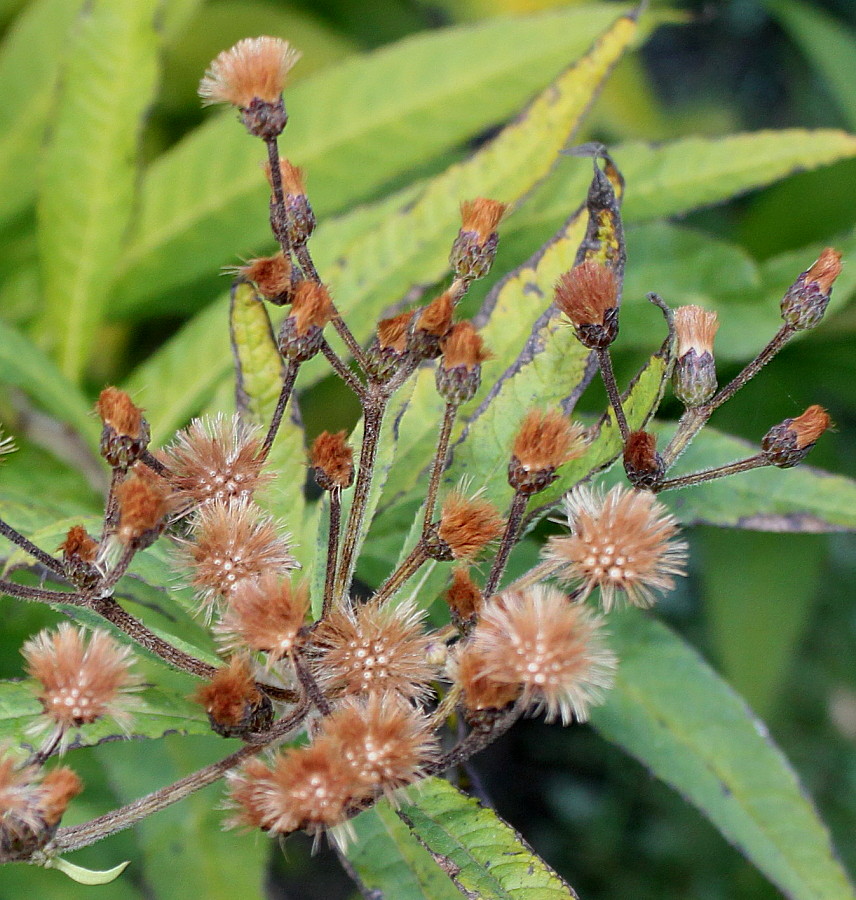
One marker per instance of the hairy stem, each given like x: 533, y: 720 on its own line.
x: 36, y: 552
x: 438, y: 464
x: 509, y: 539
x: 608, y: 375
x: 25, y: 592
x: 284, y: 396
x: 742, y: 465
x: 332, y: 550
x: 342, y: 370
x: 411, y: 564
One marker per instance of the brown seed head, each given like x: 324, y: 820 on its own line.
x: 825, y: 270
x: 215, y: 459
x: 266, y: 614
x: 642, y: 463
x: 234, y: 704
x: 436, y: 318
x: 466, y: 526
x: 621, y: 542
x: 373, y: 650
x: 810, y: 425
x: 333, y: 460
x: 271, y: 276
x: 479, y: 692
x: 79, y: 545
x: 59, y: 788
x: 788, y: 443
x: 805, y: 301
x: 311, y: 306
x: 248, y: 789
x: 117, y: 410
x: 392, y: 333
x: 463, y: 346
x: 482, y: 216
x: 81, y: 680
x: 695, y: 328
x: 144, y: 499
x: 464, y: 599
x: 383, y: 738
x: 232, y: 540
x: 588, y: 296
x: 254, y: 69
x: 550, y: 648
x: 546, y: 440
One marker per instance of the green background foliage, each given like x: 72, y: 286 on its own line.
x: 120, y: 201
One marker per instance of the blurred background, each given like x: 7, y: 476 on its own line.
x: 774, y: 613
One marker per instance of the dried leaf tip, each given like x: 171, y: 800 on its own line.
x: 589, y: 295
x: 234, y: 704
x: 332, y: 458
x: 466, y: 526
x: 81, y: 680
x: 621, y: 542
x: 254, y: 69
x: 544, y: 441
x: 788, y: 443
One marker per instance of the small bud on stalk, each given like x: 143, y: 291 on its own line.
x: 588, y: 296
x: 332, y: 460
x: 431, y: 325
x: 458, y: 374
x: 694, y: 376
x: 389, y: 348
x: 642, y: 463
x: 806, y: 299
x: 466, y: 526
x: 787, y: 444
x: 475, y: 246
x: 301, y: 332
x: 125, y: 434
x: 464, y: 600
x: 79, y: 552
x: 144, y: 500
x: 272, y: 276
x: 297, y: 217
x: 545, y: 441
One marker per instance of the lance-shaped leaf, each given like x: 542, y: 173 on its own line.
x: 671, y: 711
x: 388, y: 859
x: 801, y: 499
x: 354, y: 127
x: 156, y: 712
x: 107, y: 87
x: 482, y: 855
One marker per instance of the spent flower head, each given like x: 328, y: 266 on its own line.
x: 254, y: 69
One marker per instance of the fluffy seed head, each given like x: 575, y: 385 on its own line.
x: 588, y: 296
x: 552, y: 649
x: 271, y: 276
x: 265, y: 614
x: 463, y: 346
x: 464, y: 599
x: 311, y: 307
x: 144, y: 499
x: 248, y: 789
x: 696, y: 329
x: 482, y: 216
x: 215, y: 459
x: 544, y: 441
x: 117, y: 410
x: 621, y: 542
x: 234, y: 704
x: 466, y: 526
x: 642, y: 463
x: 332, y: 458
x: 392, y: 333
x: 254, y: 69
x: 81, y: 680
x: 373, y: 650
x: 383, y: 738
x: 233, y: 540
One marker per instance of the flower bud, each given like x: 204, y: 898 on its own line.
x: 544, y: 442
x: 144, y: 500
x: 431, y: 325
x: 588, y: 296
x: 694, y: 376
x: 458, y: 373
x: 79, y: 552
x: 464, y: 600
x: 465, y: 527
x: 642, y: 463
x: 125, y: 434
x: 294, y: 224
x: 389, y: 348
x: 272, y: 276
x: 788, y: 443
x: 805, y: 301
x: 301, y: 333
x: 475, y: 246
x: 332, y: 458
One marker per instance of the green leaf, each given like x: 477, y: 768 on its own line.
x: 829, y: 46
x: 86, y: 876
x: 801, y: 499
x: 378, y: 115
x: 389, y: 860
x: 30, y: 60
x: 26, y: 367
x: 671, y: 711
x: 156, y: 712
x: 482, y: 855
x: 89, y: 175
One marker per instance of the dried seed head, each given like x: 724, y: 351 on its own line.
x: 480, y: 694
x: 301, y: 333
x: 234, y: 704
x: 251, y: 76
x: 383, y: 738
x: 389, y: 347
x: 248, y: 788
x: 373, y: 650
x: 466, y: 526
x: 788, y: 443
x: 215, y: 459
x: 544, y: 441
x: 806, y: 299
x: 309, y: 788
x: 271, y: 276
x: 144, y: 500
x: 232, y: 540
x: 30, y: 810
x: 588, y: 296
x: 81, y: 680
x: 332, y: 458
x: 464, y: 599
x: 125, y: 434
x: 694, y: 375
x: 459, y: 373
x: 642, y: 463
x: 621, y: 542
x: 431, y: 324
x: 551, y: 649
x: 392, y: 333
x: 79, y: 552
x: 475, y: 246
x: 265, y: 614
x: 294, y: 223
